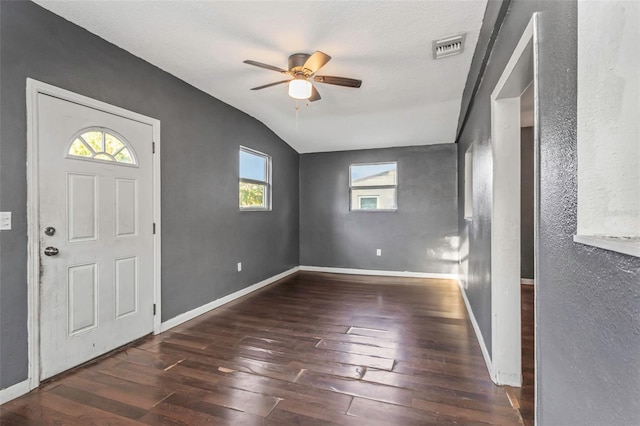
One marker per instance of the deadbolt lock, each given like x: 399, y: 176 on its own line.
x: 49, y: 231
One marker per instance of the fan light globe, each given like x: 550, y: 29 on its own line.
x: 300, y: 88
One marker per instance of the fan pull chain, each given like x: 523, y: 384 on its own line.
x: 297, y: 110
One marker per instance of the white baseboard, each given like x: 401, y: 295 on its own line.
x: 177, y: 320
x: 476, y: 328
x: 379, y: 272
x: 12, y: 392
x: 527, y: 281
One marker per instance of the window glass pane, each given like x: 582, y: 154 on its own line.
x: 373, y: 174
x: 112, y: 144
x: 373, y: 199
x: 252, y: 195
x: 368, y: 203
x: 103, y: 157
x: 79, y: 149
x: 253, y: 166
x: 100, y: 145
x: 124, y: 156
x: 94, y: 139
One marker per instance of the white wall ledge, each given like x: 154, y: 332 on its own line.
x: 630, y: 246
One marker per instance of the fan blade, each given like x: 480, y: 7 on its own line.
x: 267, y: 66
x: 315, y: 96
x: 338, y: 81
x: 316, y: 61
x: 270, y: 84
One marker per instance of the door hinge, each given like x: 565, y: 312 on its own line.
x: 154, y: 309
x: 153, y: 147
x: 154, y: 228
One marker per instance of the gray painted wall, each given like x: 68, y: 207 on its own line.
x: 588, y: 299
x: 526, y: 203
x: 420, y: 236
x: 203, y: 233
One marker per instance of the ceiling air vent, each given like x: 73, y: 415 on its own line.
x: 448, y: 46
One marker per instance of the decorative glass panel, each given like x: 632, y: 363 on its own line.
x: 94, y: 139
x: 80, y: 149
x: 113, y: 144
x: 124, y: 156
x: 99, y: 144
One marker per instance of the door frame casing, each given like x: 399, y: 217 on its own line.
x: 34, y: 88
x: 521, y: 70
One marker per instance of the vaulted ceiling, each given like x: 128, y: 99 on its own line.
x: 407, y: 97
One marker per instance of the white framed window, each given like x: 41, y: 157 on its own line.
x: 373, y: 186
x: 468, y: 183
x: 255, y: 180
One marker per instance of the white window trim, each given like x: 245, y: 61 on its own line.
x: 630, y: 246
x: 258, y: 182
x: 351, y: 188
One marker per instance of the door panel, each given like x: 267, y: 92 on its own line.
x: 96, y: 190
x: 82, y: 209
x: 83, y: 302
x: 126, y: 286
x: 126, y: 207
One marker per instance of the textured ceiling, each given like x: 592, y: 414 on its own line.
x: 406, y: 97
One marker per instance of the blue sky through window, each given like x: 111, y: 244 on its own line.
x: 366, y: 170
x: 253, y: 166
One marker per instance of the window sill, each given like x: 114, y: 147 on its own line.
x: 374, y: 210
x: 630, y: 246
x: 256, y: 209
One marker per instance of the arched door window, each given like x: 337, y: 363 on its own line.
x: 104, y: 145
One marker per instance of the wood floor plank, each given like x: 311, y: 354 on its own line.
x: 318, y: 412
x: 311, y: 349
x: 99, y: 402
x: 392, y: 414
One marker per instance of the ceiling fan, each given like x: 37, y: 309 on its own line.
x: 303, y: 68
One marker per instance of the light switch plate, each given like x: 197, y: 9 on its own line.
x: 5, y: 221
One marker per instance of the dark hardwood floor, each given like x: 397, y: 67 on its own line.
x: 311, y: 349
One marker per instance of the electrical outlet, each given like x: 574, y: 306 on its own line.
x: 378, y: 252
x: 239, y: 266
x: 5, y: 221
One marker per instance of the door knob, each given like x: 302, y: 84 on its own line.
x: 51, y: 251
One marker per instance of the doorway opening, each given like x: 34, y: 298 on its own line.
x: 515, y: 130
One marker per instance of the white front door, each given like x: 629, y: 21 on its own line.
x: 96, y: 232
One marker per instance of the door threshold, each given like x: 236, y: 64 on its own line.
x: 95, y: 360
